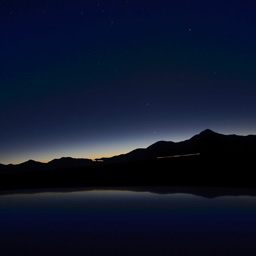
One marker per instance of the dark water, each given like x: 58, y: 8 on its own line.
x: 126, y: 223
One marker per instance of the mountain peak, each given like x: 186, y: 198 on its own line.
x: 207, y: 132
x: 31, y: 162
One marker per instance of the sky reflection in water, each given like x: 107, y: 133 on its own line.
x: 126, y: 223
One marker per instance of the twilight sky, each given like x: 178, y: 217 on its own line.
x: 88, y: 78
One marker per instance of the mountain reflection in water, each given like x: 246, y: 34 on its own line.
x: 112, y: 222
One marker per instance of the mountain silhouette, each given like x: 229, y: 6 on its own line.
x: 206, y: 159
x: 207, y: 143
x: 69, y: 162
x: 31, y: 165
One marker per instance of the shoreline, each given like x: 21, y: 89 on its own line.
x: 207, y: 192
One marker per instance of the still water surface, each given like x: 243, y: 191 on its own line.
x: 126, y: 223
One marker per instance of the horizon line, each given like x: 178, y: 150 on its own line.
x: 117, y: 154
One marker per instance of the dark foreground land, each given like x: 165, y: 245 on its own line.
x: 182, y: 171
x: 207, y: 159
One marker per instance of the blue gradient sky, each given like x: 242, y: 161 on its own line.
x: 99, y: 78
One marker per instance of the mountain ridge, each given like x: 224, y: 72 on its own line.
x: 206, y: 142
x: 206, y: 159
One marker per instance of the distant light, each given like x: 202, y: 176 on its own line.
x: 162, y: 157
x: 98, y: 160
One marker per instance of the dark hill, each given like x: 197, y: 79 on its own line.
x: 207, y: 143
x: 69, y: 162
x: 206, y: 159
x: 31, y: 165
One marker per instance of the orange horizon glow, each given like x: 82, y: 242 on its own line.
x: 45, y: 161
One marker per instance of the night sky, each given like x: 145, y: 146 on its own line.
x: 99, y: 78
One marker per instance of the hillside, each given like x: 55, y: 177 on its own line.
x: 206, y: 159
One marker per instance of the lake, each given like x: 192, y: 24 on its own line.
x: 123, y: 222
